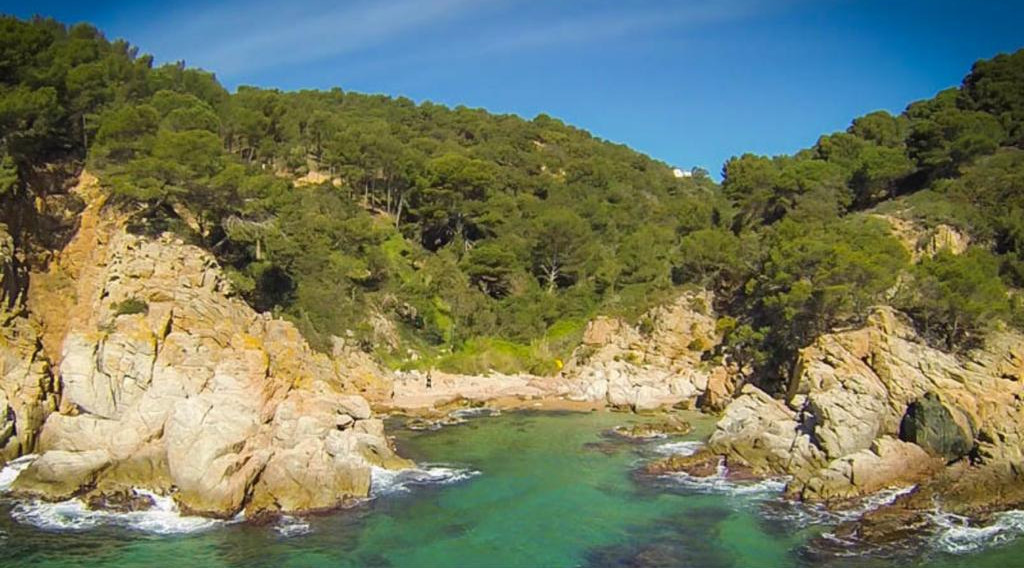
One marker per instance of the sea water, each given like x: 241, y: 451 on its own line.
x: 519, y: 489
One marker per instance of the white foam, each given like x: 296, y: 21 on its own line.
x: 872, y: 502
x: 719, y: 483
x: 679, y: 448
x: 288, y: 526
x: 13, y: 469
x: 387, y: 481
x: 162, y: 518
x: 957, y: 536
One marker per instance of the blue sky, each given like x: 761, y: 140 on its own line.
x: 689, y: 82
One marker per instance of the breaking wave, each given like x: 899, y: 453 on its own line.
x: 719, y: 483
x: 162, y: 518
x: 13, y: 469
x: 956, y: 535
x: 678, y: 448
x: 389, y: 481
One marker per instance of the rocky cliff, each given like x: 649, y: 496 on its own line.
x: 28, y: 391
x: 654, y: 364
x: 172, y: 385
x: 877, y: 407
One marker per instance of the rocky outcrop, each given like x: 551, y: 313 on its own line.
x: 27, y: 387
x: 877, y: 407
x: 652, y: 365
x: 28, y: 390
x: 887, y: 463
x: 172, y: 385
x: 925, y: 242
x: 766, y: 435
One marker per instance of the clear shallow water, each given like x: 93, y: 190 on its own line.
x: 551, y: 491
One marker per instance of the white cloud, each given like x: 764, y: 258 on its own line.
x: 242, y: 37
x: 238, y: 38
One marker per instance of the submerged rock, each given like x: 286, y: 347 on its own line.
x: 671, y: 426
x: 701, y: 464
x: 120, y: 501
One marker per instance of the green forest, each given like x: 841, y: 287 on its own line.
x: 470, y: 240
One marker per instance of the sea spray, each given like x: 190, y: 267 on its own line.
x: 389, y: 481
x: 956, y: 535
x: 73, y: 514
x: 872, y: 502
x: 719, y: 483
x: 678, y: 448
x: 13, y: 469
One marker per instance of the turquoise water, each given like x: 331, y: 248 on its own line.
x: 529, y: 490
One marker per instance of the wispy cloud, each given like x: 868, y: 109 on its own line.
x: 240, y: 38
x: 243, y: 37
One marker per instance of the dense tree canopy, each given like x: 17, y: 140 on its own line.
x: 457, y: 233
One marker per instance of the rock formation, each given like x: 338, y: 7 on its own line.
x: 173, y: 385
x: 27, y: 387
x: 654, y: 364
x: 877, y: 407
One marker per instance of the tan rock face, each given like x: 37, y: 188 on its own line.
x: 652, y: 365
x: 184, y: 389
x: 838, y: 433
x: 28, y: 391
x: 766, y: 435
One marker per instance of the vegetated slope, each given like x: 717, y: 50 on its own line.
x: 419, y: 230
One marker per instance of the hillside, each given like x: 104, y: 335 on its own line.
x: 459, y: 238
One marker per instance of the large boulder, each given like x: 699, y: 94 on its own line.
x: 941, y: 430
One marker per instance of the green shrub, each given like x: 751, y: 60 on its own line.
x: 130, y: 306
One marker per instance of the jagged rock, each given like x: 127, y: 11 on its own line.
x: 701, y: 464
x: 28, y: 391
x: 765, y: 434
x: 888, y: 463
x: 939, y: 429
x: 122, y: 501
x: 58, y: 475
x: 189, y: 391
x: 720, y: 389
x: 851, y: 393
x: 653, y: 365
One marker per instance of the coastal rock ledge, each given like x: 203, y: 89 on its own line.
x: 172, y: 385
x: 877, y: 408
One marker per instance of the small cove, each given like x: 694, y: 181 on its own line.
x: 519, y: 489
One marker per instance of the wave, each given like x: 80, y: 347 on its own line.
x: 873, y: 501
x: 678, y: 448
x: 13, y: 469
x: 956, y: 535
x: 389, y: 481
x: 163, y: 518
x: 719, y: 483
